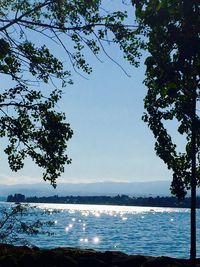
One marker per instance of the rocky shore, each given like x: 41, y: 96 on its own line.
x: 12, y: 256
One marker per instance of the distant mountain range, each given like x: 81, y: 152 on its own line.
x: 153, y: 188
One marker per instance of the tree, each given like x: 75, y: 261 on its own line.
x: 14, y: 225
x: 31, y: 31
x: 172, y: 38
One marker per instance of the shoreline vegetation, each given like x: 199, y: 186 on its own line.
x: 11, y: 255
x: 125, y: 200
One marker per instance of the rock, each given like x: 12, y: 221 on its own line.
x: 12, y: 256
x: 110, y: 256
x: 27, y: 260
x: 130, y: 261
x: 91, y: 262
x: 163, y: 262
x: 8, y: 261
x: 5, y: 248
x: 50, y: 258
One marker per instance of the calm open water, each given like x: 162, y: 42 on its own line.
x: 133, y: 230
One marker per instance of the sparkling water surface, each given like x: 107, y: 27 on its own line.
x: 130, y: 229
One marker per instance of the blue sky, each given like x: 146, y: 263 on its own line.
x: 110, y: 142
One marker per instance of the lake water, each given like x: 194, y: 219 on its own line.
x: 133, y: 230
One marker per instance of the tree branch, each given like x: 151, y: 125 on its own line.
x: 16, y: 20
x: 76, y: 28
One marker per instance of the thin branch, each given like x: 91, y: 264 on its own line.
x: 46, y: 35
x: 17, y: 105
x: 114, y: 61
x: 85, y: 42
x: 75, y: 28
x: 16, y: 20
x: 69, y: 54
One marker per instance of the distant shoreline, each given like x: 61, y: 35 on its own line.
x: 119, y: 200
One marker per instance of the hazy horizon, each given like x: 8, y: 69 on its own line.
x: 83, y: 182
x: 95, y: 188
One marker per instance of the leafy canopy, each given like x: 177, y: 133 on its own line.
x: 172, y: 38
x: 31, y: 32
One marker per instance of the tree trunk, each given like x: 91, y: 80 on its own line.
x: 193, y: 184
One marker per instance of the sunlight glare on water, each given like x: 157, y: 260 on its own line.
x: 104, y: 208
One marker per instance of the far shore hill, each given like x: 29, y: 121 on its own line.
x: 152, y: 188
x: 136, y: 189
